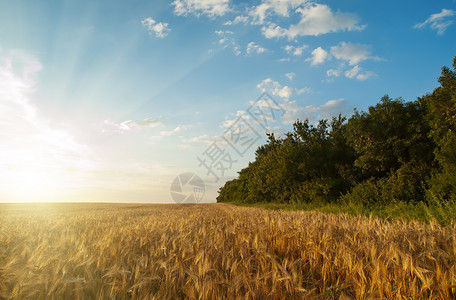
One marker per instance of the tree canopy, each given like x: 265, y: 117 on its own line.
x: 394, y: 151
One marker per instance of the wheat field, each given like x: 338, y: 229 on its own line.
x: 218, y: 251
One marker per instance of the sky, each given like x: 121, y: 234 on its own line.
x: 163, y: 101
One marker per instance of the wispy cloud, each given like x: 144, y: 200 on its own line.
x: 366, y: 75
x: 229, y: 121
x: 227, y: 40
x: 164, y: 133
x: 333, y: 73
x: 130, y: 125
x: 352, y: 72
x: 327, y: 110
x: 35, y: 155
x: 438, y: 22
x: 290, y: 75
x: 198, y: 140
x: 21, y: 125
x: 253, y: 48
x: 43, y: 161
x: 304, y: 90
x: 293, y: 111
x: 210, y: 8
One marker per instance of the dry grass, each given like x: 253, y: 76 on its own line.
x: 92, y: 251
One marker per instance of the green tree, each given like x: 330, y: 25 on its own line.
x: 306, y: 165
x: 395, y: 151
x: 390, y: 134
x: 441, y: 107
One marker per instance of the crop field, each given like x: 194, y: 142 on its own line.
x: 218, y: 251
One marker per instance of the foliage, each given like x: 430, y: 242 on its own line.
x: 310, y: 163
x: 441, y: 105
x: 396, y: 151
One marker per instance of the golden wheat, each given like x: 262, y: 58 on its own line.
x: 98, y: 251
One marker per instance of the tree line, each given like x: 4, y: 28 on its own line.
x: 396, y: 151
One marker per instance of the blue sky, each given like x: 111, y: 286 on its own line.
x: 111, y: 100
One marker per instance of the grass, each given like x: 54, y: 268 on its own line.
x: 444, y: 214
x: 119, y: 251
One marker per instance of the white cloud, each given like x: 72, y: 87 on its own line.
x: 355, y: 73
x: 291, y: 108
x: 160, y: 29
x: 223, y: 32
x: 254, y: 48
x: 165, y: 133
x: 438, y: 21
x: 331, y: 108
x: 228, y: 41
x: 274, y: 87
x: 319, y: 55
x: 353, y: 53
x: 280, y: 7
x: 130, y: 125
x: 239, y: 19
x: 366, y: 75
x: 273, y: 30
x: 303, y: 90
x: 295, y: 50
x: 333, y: 73
x: 210, y: 8
x: 202, y: 139
x: 285, y: 92
x: 290, y: 75
x: 316, y: 19
x: 346, y: 52
x: 292, y: 112
x: 352, y: 72
x: 236, y: 50
x: 229, y: 121
x: 35, y: 154
x: 240, y: 113
x: 20, y: 122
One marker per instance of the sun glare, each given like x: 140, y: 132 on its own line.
x: 31, y: 185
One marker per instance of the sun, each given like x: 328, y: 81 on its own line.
x: 32, y: 185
